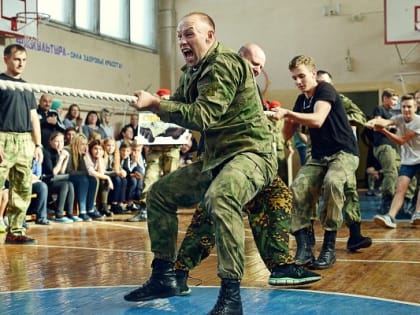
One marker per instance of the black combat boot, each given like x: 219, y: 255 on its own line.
x: 311, y: 235
x: 327, y: 256
x: 181, y: 280
x: 356, y: 239
x: 229, y: 300
x: 162, y: 283
x: 304, y: 256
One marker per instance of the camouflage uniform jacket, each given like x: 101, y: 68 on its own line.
x: 219, y: 98
x: 354, y: 114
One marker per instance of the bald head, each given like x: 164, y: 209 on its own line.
x: 255, y: 55
x: 196, y: 36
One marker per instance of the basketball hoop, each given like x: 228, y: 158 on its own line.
x: 23, y: 19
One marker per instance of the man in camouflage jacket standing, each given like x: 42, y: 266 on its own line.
x: 218, y: 97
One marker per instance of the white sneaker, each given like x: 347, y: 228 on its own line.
x: 415, y: 219
x: 385, y: 220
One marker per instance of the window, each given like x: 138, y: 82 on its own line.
x: 143, y: 22
x: 86, y: 14
x: 59, y: 10
x: 114, y: 18
x: 130, y: 21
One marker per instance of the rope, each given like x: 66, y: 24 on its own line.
x: 56, y: 90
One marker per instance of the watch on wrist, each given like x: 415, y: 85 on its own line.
x: 38, y: 146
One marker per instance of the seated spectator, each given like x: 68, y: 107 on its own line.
x: 106, y: 123
x: 118, y: 176
x: 69, y: 134
x: 58, y: 107
x: 49, y: 119
x: 135, y: 168
x: 134, y: 123
x: 4, y: 199
x: 96, y: 168
x: 38, y: 205
x: 188, y: 150
x: 86, y: 186
x: 126, y: 134
x: 72, y: 118
x: 94, y: 135
x: 92, y: 123
x: 54, y: 165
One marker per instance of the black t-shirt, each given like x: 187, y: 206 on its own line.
x: 335, y: 134
x: 15, y: 108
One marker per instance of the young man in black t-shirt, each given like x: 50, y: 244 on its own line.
x: 334, y: 157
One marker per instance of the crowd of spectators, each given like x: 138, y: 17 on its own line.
x: 91, y: 169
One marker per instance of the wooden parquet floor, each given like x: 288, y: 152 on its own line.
x: 115, y: 252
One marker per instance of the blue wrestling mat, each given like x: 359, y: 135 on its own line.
x: 109, y: 300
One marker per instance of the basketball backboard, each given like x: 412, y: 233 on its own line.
x: 402, y: 21
x: 19, y: 18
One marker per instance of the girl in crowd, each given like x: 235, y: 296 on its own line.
x: 72, y: 118
x: 113, y: 168
x: 106, y: 124
x: 96, y: 168
x: 54, y: 165
x: 85, y: 186
x: 69, y: 134
x: 135, y: 168
x: 92, y: 123
x: 94, y: 135
x: 126, y: 134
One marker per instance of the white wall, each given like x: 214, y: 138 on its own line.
x: 287, y: 28
x: 68, y: 59
x: 283, y: 28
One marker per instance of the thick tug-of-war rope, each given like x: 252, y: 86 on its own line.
x: 56, y: 90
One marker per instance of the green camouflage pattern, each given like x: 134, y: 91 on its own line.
x: 354, y: 114
x: 223, y: 194
x: 18, y: 151
x: 161, y: 160
x: 329, y: 177
x: 269, y: 215
x: 219, y: 98
x: 389, y: 159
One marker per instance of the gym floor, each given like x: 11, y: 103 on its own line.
x: 87, y: 268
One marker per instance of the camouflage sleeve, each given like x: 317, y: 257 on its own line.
x: 216, y: 88
x: 354, y: 113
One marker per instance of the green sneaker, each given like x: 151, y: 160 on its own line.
x: 292, y: 275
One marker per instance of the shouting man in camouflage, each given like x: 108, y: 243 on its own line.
x: 218, y: 97
x: 269, y: 215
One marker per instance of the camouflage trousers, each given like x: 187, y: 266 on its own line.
x: 328, y: 176
x: 223, y: 193
x: 160, y: 161
x: 390, y: 161
x: 18, y: 150
x: 269, y: 215
x: 352, y: 212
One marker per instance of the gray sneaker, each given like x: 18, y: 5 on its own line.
x: 415, y: 219
x: 385, y: 220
